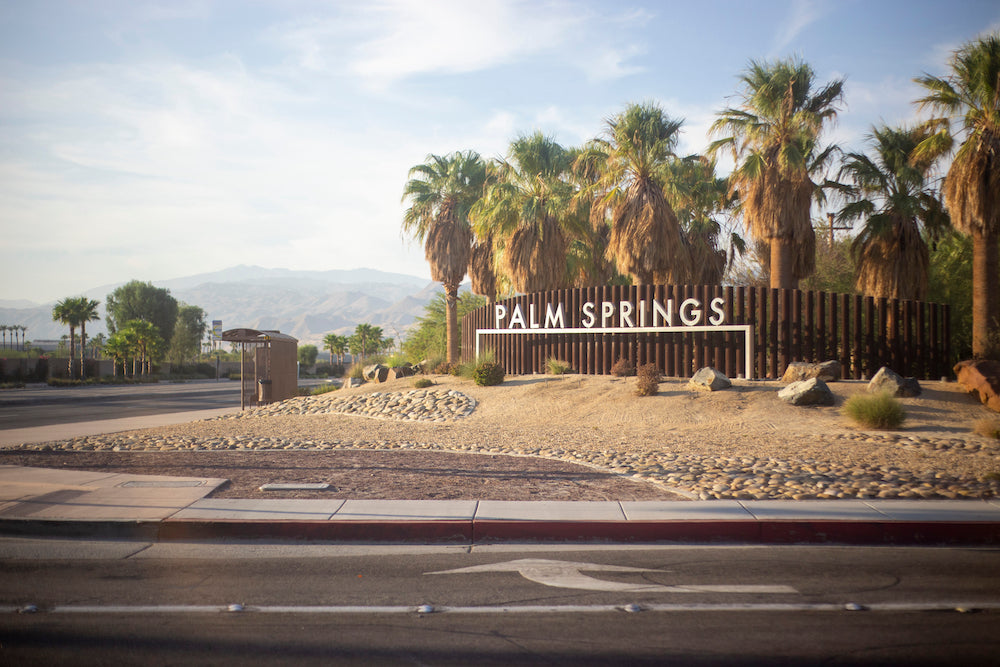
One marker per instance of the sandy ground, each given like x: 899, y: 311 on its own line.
x: 598, y: 413
x: 553, y: 416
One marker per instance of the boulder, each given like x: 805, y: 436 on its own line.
x: 982, y: 380
x: 828, y: 371
x: 888, y: 380
x: 807, y: 392
x: 709, y: 379
x: 353, y: 382
x: 397, y: 372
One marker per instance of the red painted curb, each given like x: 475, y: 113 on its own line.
x: 616, y: 531
x: 445, y: 531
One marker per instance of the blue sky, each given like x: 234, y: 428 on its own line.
x: 152, y: 140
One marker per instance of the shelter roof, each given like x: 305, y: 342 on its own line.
x: 256, y: 336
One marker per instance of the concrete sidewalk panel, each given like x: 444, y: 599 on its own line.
x: 406, y: 510
x: 811, y: 510
x: 260, y: 510
x: 680, y: 510
x: 549, y: 510
x: 937, y: 510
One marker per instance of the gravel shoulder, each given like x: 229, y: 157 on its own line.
x: 739, y: 443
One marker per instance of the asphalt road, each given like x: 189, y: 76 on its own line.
x: 44, y: 406
x: 113, y: 602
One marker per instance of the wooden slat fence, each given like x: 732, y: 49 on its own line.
x: 864, y: 333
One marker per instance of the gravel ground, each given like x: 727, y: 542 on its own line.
x: 738, y: 443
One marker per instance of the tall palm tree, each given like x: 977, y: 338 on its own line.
x: 86, y: 311
x: 525, y: 208
x: 774, y: 138
x: 441, y: 193
x: 890, y: 191
x: 329, y: 342
x: 65, y: 312
x: 971, y: 95
x: 698, y: 197
x: 645, y: 240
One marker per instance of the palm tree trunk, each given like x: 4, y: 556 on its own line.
x: 83, y: 349
x: 72, y: 350
x: 783, y: 263
x: 985, y: 295
x: 451, y: 306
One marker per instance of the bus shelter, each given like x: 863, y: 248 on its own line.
x: 268, y: 364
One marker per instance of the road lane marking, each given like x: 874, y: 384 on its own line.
x: 567, y: 574
x: 885, y: 607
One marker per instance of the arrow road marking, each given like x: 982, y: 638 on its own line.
x: 566, y: 574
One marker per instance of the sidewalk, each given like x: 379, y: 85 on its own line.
x: 46, y: 502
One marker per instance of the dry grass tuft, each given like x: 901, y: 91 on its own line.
x: 988, y: 427
x: 880, y: 411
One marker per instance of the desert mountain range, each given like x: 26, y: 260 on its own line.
x: 305, y: 304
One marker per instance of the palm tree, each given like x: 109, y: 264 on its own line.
x: 889, y: 190
x: 145, y: 343
x: 3, y: 329
x: 698, y: 197
x: 525, y: 208
x: 645, y: 241
x: 774, y: 138
x: 329, y: 342
x: 118, y: 348
x: 86, y: 311
x: 441, y: 193
x: 65, y: 312
x: 972, y: 186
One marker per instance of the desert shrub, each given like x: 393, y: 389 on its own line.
x: 324, y: 388
x: 623, y: 368
x: 558, y: 367
x: 422, y: 383
x: 357, y: 371
x: 880, y: 410
x: 488, y: 373
x: 649, y: 371
x: 988, y: 428
x: 447, y: 368
x: 648, y: 380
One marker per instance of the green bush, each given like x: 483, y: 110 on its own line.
x: 623, y: 368
x: 558, y: 367
x: 880, y: 410
x: 357, y: 371
x: 488, y: 374
x: 324, y: 388
x: 422, y: 383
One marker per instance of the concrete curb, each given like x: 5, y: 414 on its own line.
x: 774, y: 532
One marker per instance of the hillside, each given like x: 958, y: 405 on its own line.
x: 305, y: 304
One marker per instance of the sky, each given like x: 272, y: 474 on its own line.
x: 153, y: 140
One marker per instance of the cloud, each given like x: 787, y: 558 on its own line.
x: 803, y: 14
x: 455, y: 36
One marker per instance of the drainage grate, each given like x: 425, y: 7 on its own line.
x: 321, y: 486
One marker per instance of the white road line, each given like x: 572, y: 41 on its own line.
x: 918, y: 606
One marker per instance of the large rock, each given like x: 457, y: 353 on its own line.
x: 397, y: 372
x: 828, y: 371
x: 376, y: 373
x: 888, y: 380
x: 807, y: 392
x: 709, y: 379
x: 982, y: 380
x: 353, y: 382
